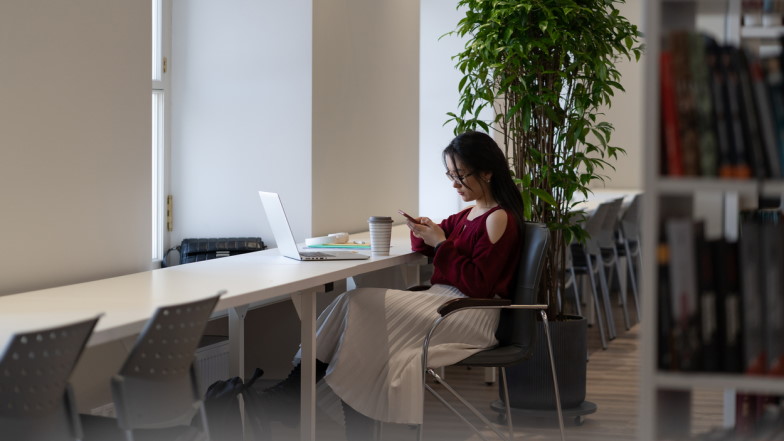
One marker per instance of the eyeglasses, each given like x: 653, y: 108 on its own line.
x: 457, y: 177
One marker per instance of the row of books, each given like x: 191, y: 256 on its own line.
x: 761, y: 6
x: 721, y: 303
x: 722, y: 110
x: 766, y: 423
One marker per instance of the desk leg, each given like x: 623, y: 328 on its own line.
x: 305, y: 303
x: 237, y: 340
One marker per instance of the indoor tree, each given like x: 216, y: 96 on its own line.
x: 545, y: 69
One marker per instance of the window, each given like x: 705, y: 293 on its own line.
x: 160, y: 49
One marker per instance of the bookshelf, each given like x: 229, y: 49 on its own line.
x: 665, y: 396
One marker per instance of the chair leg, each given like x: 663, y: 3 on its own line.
x: 508, y: 404
x: 555, y: 376
x: 608, y: 315
x: 468, y: 405
x: 576, y: 292
x: 597, y: 305
x: 622, y: 289
x: 633, y: 278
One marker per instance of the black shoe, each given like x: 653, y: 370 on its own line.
x: 282, y: 401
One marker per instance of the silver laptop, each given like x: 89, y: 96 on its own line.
x: 285, y: 239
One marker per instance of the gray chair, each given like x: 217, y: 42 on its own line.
x: 36, y: 402
x: 606, y: 241
x: 628, y: 245
x: 516, y: 331
x: 155, y: 393
x: 586, y: 261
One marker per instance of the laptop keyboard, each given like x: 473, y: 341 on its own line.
x: 314, y: 254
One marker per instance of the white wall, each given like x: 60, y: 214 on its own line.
x: 317, y: 102
x: 365, y: 111
x: 438, y: 95
x: 626, y: 115
x: 75, y: 112
x: 241, y: 106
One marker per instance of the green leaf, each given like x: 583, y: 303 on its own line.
x: 543, y: 195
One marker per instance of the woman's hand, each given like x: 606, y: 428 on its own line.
x: 427, y: 230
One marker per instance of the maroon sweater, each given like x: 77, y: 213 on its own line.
x: 468, y: 260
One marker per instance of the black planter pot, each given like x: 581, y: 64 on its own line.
x: 531, y: 382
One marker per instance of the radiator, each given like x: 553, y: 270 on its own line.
x: 212, y: 364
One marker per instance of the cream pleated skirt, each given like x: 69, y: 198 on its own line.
x: 372, y: 339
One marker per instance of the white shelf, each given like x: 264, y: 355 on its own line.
x: 659, y: 411
x: 689, y: 185
x: 703, y: 380
x: 773, y: 187
x: 670, y: 186
x: 761, y: 32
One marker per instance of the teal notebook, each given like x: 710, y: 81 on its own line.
x: 350, y: 246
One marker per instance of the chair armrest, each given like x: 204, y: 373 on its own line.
x: 467, y: 302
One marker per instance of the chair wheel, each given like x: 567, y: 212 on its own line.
x: 579, y: 420
x: 501, y: 419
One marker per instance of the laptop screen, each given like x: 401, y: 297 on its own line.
x: 279, y: 224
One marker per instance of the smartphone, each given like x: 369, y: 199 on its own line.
x: 408, y: 216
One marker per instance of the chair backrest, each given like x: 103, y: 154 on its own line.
x: 517, y: 327
x: 156, y: 386
x: 610, y: 221
x: 35, y: 399
x: 594, y: 226
x: 630, y: 219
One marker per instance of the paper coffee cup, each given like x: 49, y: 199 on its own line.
x: 380, y: 235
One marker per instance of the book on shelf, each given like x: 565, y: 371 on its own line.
x: 775, y: 85
x: 710, y: 349
x: 754, y: 358
x: 728, y: 313
x: 772, y: 234
x: 756, y: 151
x: 672, y: 164
x: 739, y: 150
x: 721, y: 110
x: 701, y: 80
x: 665, y: 341
x: 685, y: 103
x: 724, y: 158
x: 772, y: 144
x: 683, y: 293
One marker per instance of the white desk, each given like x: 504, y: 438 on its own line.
x: 127, y: 302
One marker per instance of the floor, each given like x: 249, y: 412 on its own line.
x: 612, y: 384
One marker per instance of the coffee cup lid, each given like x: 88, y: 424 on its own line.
x: 383, y: 219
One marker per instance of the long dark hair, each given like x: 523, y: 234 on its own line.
x: 480, y: 153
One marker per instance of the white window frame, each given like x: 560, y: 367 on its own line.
x: 161, y: 135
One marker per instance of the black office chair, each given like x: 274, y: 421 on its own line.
x: 36, y: 402
x: 156, y: 394
x: 516, y: 330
